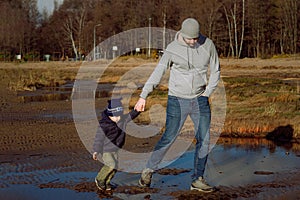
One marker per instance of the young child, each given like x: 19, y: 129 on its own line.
x: 110, y: 137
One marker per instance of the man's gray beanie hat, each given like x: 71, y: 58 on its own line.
x: 190, y: 28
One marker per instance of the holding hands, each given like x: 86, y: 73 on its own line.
x: 95, y: 154
x: 140, y: 105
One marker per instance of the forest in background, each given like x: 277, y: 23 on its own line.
x: 239, y: 28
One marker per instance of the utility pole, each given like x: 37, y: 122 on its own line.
x: 164, y: 32
x: 95, y: 40
x: 149, y: 42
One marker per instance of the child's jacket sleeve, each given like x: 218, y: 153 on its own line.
x: 99, y: 140
x: 131, y: 116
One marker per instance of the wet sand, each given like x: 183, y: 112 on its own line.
x: 42, y: 157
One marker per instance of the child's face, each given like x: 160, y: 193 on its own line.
x: 115, y: 118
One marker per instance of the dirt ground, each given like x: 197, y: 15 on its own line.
x: 42, y: 135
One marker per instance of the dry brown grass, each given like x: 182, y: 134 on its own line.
x: 261, y: 94
x: 31, y: 76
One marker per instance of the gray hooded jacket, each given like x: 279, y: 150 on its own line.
x: 189, y: 68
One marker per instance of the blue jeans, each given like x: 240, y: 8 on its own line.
x: 177, y: 111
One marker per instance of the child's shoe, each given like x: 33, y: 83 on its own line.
x: 108, y: 187
x: 100, y: 185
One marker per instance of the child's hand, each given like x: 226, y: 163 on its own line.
x: 95, y: 155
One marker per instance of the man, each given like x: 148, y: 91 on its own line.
x: 188, y: 57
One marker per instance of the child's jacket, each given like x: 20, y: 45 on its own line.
x: 110, y: 136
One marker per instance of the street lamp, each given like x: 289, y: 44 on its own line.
x: 149, y: 42
x: 95, y: 40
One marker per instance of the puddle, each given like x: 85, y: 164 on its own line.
x: 62, y: 93
x: 229, y: 165
x: 31, y: 192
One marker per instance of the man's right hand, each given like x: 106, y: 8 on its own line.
x: 140, y: 105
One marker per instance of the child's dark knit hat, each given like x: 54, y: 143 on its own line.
x: 114, y: 107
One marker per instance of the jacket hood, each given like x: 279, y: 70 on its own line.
x: 179, y: 40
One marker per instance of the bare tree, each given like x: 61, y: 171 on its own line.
x: 18, y: 21
x: 239, y: 28
x: 74, y: 24
x: 229, y: 28
x: 243, y: 29
x: 69, y: 31
x: 236, y: 25
x: 290, y: 21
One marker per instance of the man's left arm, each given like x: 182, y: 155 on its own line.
x: 214, y: 72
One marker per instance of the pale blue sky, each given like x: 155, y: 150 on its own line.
x: 49, y: 4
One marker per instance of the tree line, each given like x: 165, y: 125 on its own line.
x: 239, y: 28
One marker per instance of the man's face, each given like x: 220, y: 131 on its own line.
x: 191, y: 41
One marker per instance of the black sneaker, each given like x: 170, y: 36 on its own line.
x: 100, y: 185
x: 145, y: 180
x: 108, y: 187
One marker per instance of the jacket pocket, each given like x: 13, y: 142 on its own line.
x: 181, y: 82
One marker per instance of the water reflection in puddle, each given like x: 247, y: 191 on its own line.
x: 63, y: 92
x: 241, y: 161
x: 258, y: 145
x: 232, y: 162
